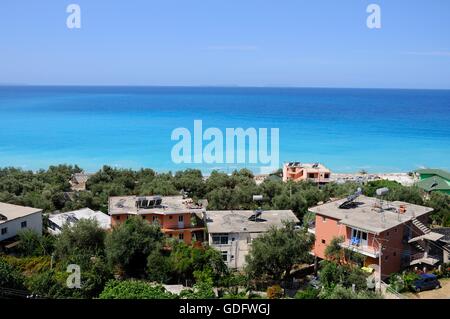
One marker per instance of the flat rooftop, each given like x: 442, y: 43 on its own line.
x: 61, y: 219
x: 10, y: 211
x: 366, y: 213
x: 164, y: 205
x: 309, y: 166
x: 237, y: 221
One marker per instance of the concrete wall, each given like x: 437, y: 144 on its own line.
x: 236, y: 249
x: 34, y: 222
x: 326, y: 229
x: 391, y: 241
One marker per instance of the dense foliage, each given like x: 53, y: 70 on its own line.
x: 138, y: 250
x: 134, y: 289
x: 130, y: 244
x: 273, y: 254
x: 50, y: 190
x: 10, y: 276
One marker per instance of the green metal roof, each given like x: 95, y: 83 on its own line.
x: 434, y: 171
x: 433, y: 184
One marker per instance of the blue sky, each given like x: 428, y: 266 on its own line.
x: 321, y: 43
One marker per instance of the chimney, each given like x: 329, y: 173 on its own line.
x: 402, y: 209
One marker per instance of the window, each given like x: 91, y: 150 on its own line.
x: 224, y: 256
x: 23, y: 224
x: 324, y: 219
x: 170, y: 217
x: 323, y: 241
x: 387, y: 234
x: 143, y: 216
x: 180, y: 236
x: 359, y: 237
x: 4, y: 230
x: 180, y: 218
x: 220, y: 239
x: 394, y: 253
x: 117, y: 217
x: 386, y: 257
x: 395, y: 229
x: 155, y: 218
x: 327, y: 175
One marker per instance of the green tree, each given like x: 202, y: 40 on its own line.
x: 275, y: 253
x: 159, y: 266
x: 83, y: 239
x: 32, y: 243
x: 129, y: 245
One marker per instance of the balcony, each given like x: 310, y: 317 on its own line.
x: 312, y: 228
x: 318, y: 179
x: 423, y: 258
x: 360, y: 248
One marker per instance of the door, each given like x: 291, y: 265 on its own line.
x: 180, y: 221
x: 359, y: 237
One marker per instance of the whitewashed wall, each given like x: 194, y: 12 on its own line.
x: 34, y: 222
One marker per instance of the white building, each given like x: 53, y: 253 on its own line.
x: 57, y: 221
x: 14, y: 218
x: 231, y: 232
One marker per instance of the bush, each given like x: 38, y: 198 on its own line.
x: 134, y: 289
x: 33, y: 244
x: 29, y: 265
x: 308, y: 293
x: 10, y: 276
x: 275, y: 292
x: 202, y: 290
x: 341, y: 292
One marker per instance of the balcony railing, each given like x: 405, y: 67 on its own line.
x: 423, y: 258
x: 360, y: 248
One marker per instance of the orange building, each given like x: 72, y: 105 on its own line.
x: 297, y: 171
x: 178, y: 217
x: 391, y: 233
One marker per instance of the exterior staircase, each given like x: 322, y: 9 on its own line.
x: 419, y: 247
x: 420, y: 226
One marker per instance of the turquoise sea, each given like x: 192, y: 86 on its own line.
x: 345, y: 129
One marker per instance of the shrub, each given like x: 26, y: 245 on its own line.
x: 134, y: 289
x: 275, y: 292
x: 10, y: 276
x: 308, y: 293
x: 202, y: 290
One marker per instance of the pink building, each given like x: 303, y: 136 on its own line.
x: 297, y: 171
x: 391, y: 233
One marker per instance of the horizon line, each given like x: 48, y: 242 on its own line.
x: 221, y: 86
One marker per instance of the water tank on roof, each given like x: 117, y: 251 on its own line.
x: 382, y: 191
